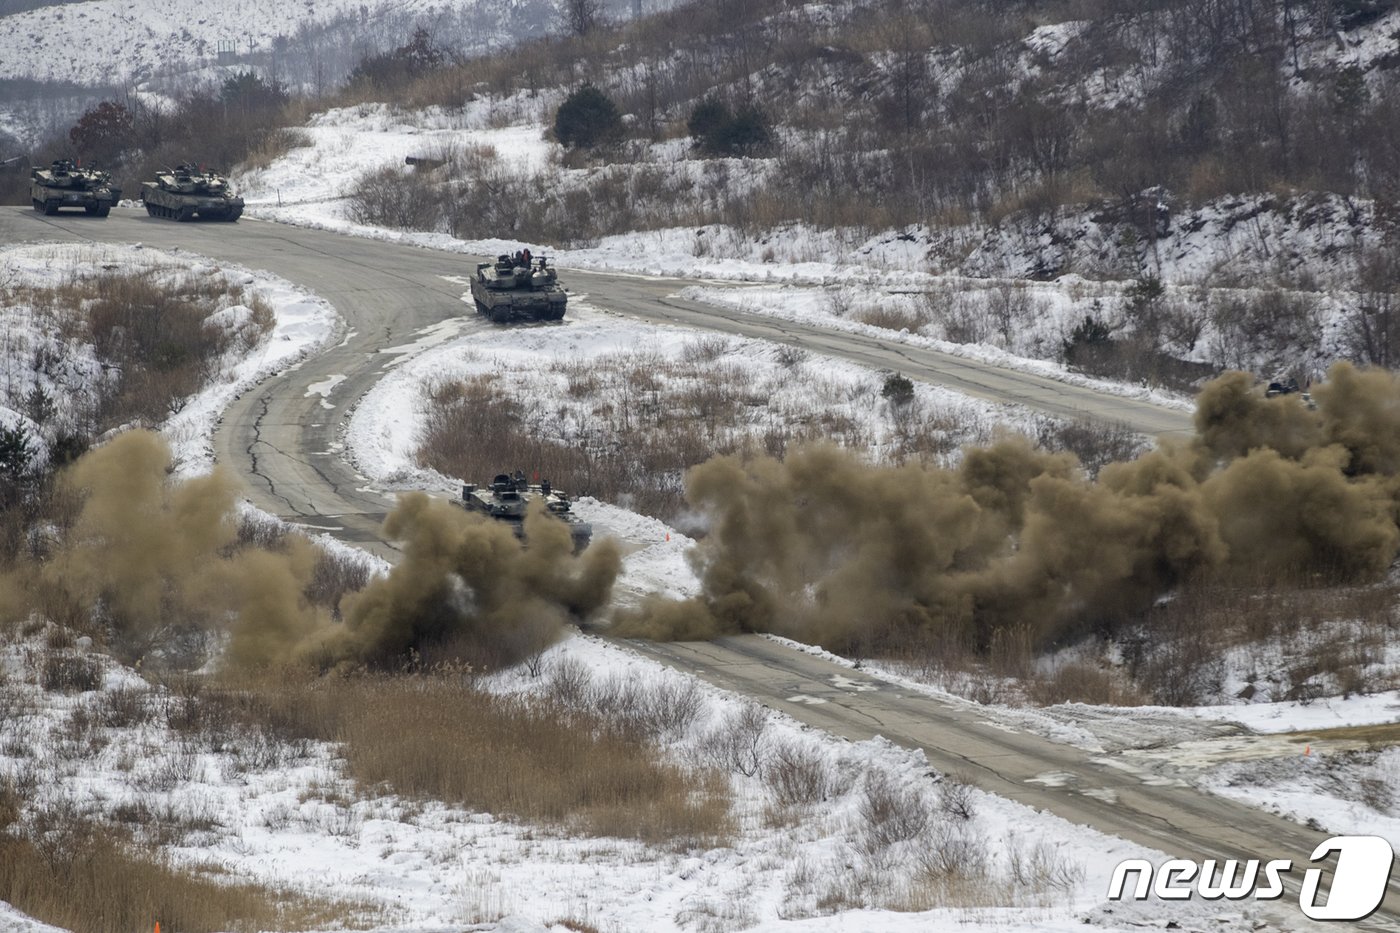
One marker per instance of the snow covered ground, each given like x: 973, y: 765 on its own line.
x: 295, y: 821
x: 435, y: 868
x: 32, y: 337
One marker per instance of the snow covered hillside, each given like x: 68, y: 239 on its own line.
x: 991, y: 293
x: 307, y: 44
x: 124, y: 44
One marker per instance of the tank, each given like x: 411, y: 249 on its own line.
x: 1289, y: 387
x: 508, y: 497
x: 185, y: 192
x: 518, y: 288
x: 64, y: 184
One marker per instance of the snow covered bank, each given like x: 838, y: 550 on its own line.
x: 41, y: 352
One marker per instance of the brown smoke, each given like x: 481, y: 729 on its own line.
x: 1362, y: 415
x: 148, y: 560
x: 148, y: 556
x: 466, y: 590
x: 828, y: 548
x: 144, y: 549
x: 1233, y: 418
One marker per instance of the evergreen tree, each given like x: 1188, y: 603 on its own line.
x: 587, y: 118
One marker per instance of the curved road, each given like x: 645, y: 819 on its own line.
x: 284, y: 441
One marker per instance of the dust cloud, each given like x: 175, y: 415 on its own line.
x: 143, y: 558
x: 466, y: 591
x: 826, y: 547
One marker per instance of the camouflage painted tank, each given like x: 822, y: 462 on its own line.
x: 185, y: 192
x: 64, y: 184
x: 518, y: 289
x: 508, y: 497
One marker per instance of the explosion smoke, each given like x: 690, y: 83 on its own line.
x: 148, y: 559
x: 148, y: 556
x: 828, y: 548
x: 465, y: 590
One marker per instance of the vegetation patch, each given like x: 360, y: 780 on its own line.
x: 533, y: 759
x: 624, y: 426
x: 89, y: 878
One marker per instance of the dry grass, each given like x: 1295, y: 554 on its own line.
x: 1305, y: 640
x: 953, y: 871
x: 892, y: 317
x: 151, y: 331
x: 273, y: 146
x: 631, y: 423
x: 84, y: 877
x: 1083, y: 682
x: 447, y: 741
x: 439, y: 737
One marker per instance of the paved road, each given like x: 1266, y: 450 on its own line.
x: 654, y: 299
x: 284, y: 441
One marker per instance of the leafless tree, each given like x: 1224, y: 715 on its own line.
x: 583, y: 16
x: 1374, y: 327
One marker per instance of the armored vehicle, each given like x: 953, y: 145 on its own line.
x: 508, y: 497
x: 518, y: 288
x: 64, y: 184
x: 185, y: 192
x: 1289, y: 387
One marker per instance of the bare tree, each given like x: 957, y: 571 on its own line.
x: 1373, y: 328
x: 583, y: 16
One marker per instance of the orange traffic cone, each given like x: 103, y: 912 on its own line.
x: 1307, y: 750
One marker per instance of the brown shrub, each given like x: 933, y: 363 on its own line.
x: 389, y: 198
x: 1082, y: 682
x: 890, y: 813
x: 440, y: 738
x: 83, y: 877
x: 796, y: 776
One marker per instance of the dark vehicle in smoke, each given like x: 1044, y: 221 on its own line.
x: 508, y: 498
x: 185, y: 192
x: 64, y: 184
x: 518, y: 288
x: 1289, y: 387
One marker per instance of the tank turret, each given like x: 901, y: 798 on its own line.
x: 507, y: 499
x: 518, y: 288
x: 65, y: 184
x: 186, y: 192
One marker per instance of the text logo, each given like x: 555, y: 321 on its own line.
x: 1357, y: 889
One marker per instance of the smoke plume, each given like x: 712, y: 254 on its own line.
x: 826, y: 547
x: 147, y: 559
x: 466, y: 590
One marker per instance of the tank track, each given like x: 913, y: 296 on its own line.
x: 50, y: 208
x: 187, y: 213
